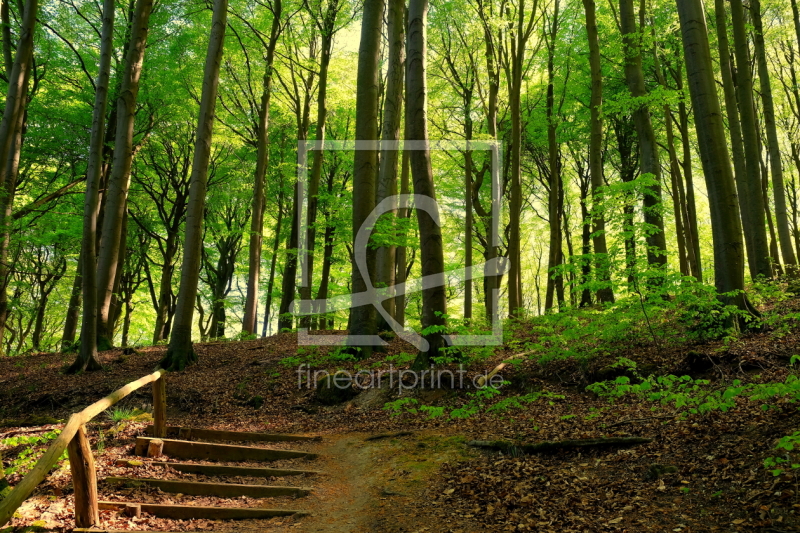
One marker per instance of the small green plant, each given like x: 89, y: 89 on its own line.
x: 777, y: 465
x: 401, y: 405
x: 118, y: 414
x: 26, y: 457
x: 403, y: 358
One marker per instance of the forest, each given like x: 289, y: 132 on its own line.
x: 597, y: 200
x: 639, y: 150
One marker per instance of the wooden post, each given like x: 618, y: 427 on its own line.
x: 133, y: 510
x: 155, y: 448
x: 160, y: 408
x: 84, y: 480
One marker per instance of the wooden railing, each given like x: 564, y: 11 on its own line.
x: 73, y: 439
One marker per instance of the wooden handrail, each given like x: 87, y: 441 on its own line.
x: 46, y: 462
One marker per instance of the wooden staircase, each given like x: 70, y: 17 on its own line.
x: 209, y: 448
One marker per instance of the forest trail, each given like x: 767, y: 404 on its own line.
x: 369, y: 485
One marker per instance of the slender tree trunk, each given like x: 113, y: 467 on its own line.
x: 10, y: 141
x: 275, y: 246
x: 648, y: 146
x: 521, y: 33
x: 400, y: 255
x: 434, y: 303
x: 262, y: 158
x: 165, y: 294
x: 390, y: 132
x: 684, y: 237
x: 87, y: 354
x: 73, y: 309
x: 327, y: 28
x: 181, y: 352
x: 725, y: 224
x: 688, y: 174
x: 119, y: 180
x: 365, y: 168
x: 554, y: 212
x: 755, y: 226
x: 773, y: 145
x: 605, y: 294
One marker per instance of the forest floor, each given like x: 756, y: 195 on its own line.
x: 701, y: 472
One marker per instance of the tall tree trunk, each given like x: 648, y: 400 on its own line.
x: 554, y: 203
x: 695, y: 261
x: 73, y: 309
x: 87, y: 354
x: 776, y: 168
x: 165, y: 294
x: 754, y: 220
x: 648, y: 146
x: 365, y: 167
x: 725, y: 224
x: 10, y: 134
x: 434, y: 303
x: 181, y: 352
x: 262, y: 159
x: 390, y: 132
x: 119, y: 180
x: 683, y: 236
x: 400, y: 255
x: 327, y: 27
x: 270, y: 283
x: 605, y: 294
x: 521, y: 34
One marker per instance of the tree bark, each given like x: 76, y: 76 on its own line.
x: 365, y: 167
x: 555, y: 279
x: 648, y: 146
x: 119, y: 180
x: 327, y: 27
x: 434, y: 303
x: 754, y: 218
x: 390, y: 132
x: 725, y: 223
x: 181, y: 352
x: 605, y: 294
x: 400, y: 255
x: 521, y: 34
x: 773, y: 145
x: 262, y: 159
x: 73, y: 309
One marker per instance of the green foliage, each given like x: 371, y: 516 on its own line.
x: 777, y: 465
x: 26, y: 458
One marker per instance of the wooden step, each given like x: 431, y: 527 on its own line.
x: 221, y: 435
x: 190, y: 512
x: 222, y: 490
x: 220, y: 470
x: 182, y: 449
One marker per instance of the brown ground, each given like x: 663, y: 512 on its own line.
x: 431, y: 480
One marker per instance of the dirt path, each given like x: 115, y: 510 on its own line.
x: 372, y: 486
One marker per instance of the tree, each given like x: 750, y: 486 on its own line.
x: 181, y: 352
x: 604, y: 294
x: 755, y: 233
x: 87, y: 353
x: 648, y: 145
x: 725, y: 225
x: 773, y: 145
x: 117, y: 196
x: 434, y: 303
x: 262, y: 160
x: 390, y: 132
x: 365, y: 161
